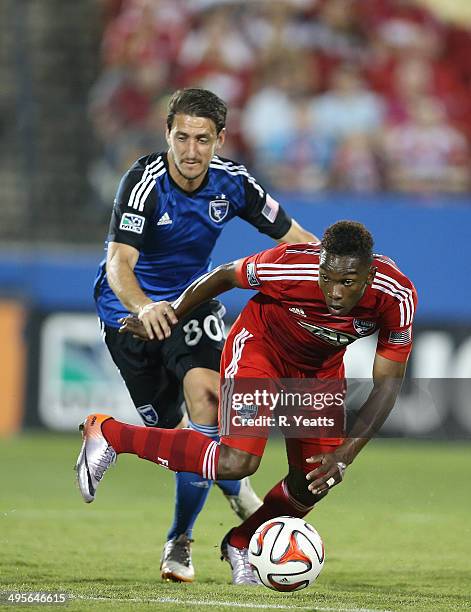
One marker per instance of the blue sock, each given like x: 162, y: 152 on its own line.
x: 228, y: 487
x: 191, y: 493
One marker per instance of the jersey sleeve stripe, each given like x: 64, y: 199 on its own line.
x: 288, y: 272
x: 142, y: 189
x: 137, y: 187
x: 400, y: 294
x: 143, y: 198
x: 150, y: 185
x: 405, y: 320
x: 298, y: 266
x: 386, y: 260
x: 229, y: 164
x: 394, y: 282
x: 136, y: 200
x: 261, y: 273
x: 218, y: 164
x: 276, y: 278
x: 401, y: 300
x: 405, y: 292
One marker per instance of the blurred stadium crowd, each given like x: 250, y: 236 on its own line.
x: 363, y: 96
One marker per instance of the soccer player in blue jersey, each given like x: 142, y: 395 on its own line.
x: 168, y: 213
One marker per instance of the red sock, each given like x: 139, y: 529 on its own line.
x: 277, y: 502
x: 180, y: 450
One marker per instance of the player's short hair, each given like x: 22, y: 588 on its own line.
x: 348, y: 238
x: 197, y: 103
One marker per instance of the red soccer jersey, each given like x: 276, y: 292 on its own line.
x: 294, y: 315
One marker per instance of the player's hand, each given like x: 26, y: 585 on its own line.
x: 132, y: 325
x: 327, y: 474
x: 157, y: 318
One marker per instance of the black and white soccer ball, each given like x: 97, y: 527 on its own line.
x: 286, y: 553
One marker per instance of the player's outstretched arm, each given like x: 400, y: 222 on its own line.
x: 221, y: 279
x: 387, y: 381
x: 297, y: 234
x: 120, y: 262
x: 156, y: 317
x: 210, y: 285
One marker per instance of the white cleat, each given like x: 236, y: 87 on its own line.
x: 176, y: 562
x: 95, y: 457
x: 246, y: 502
x: 238, y: 559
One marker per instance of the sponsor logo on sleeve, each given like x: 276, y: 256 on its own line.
x: 252, y: 275
x: 403, y: 336
x: 270, y: 210
x: 132, y: 223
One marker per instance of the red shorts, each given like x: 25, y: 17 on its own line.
x: 247, y: 355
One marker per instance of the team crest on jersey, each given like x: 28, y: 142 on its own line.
x: 364, y: 328
x: 149, y: 415
x: 218, y: 209
x: 247, y: 411
x: 331, y: 336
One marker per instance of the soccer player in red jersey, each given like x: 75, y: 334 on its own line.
x: 313, y: 300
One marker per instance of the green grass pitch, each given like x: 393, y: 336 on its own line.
x: 397, y: 532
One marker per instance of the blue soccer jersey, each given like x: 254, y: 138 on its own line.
x: 175, y: 231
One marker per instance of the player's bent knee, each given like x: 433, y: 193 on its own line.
x: 298, y: 487
x: 203, y: 408
x: 201, y: 394
x: 235, y: 464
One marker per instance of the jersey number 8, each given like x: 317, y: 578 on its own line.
x: 212, y: 327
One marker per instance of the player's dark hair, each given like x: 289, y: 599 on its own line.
x: 197, y: 103
x: 348, y: 238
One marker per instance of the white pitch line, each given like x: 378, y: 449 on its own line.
x: 227, y: 604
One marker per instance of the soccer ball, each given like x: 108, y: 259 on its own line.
x: 286, y: 553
